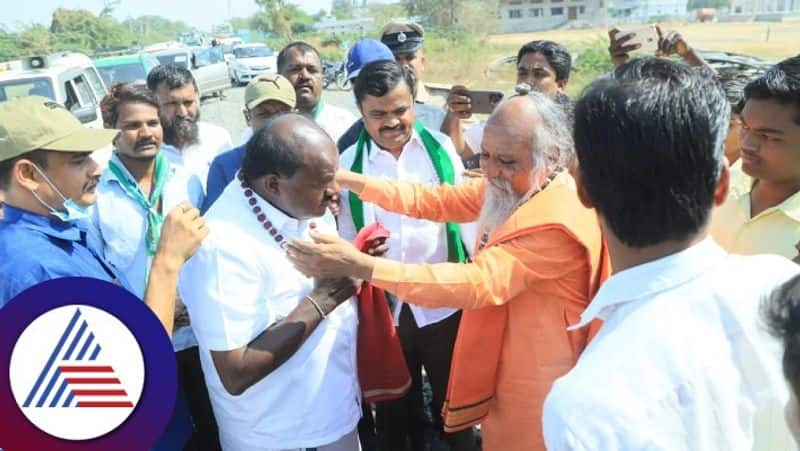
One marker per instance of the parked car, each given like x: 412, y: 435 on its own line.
x: 250, y: 60
x: 227, y: 45
x: 68, y: 78
x: 207, y: 65
x: 125, y: 68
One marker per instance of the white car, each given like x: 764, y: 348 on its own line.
x: 68, y: 78
x: 251, y: 60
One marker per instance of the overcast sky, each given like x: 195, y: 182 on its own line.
x: 199, y: 13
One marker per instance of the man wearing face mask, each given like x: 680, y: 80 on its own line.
x: 394, y: 144
x: 50, y: 181
x: 190, y: 143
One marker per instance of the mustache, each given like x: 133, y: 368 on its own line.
x: 188, y: 119
x: 145, y: 142
x: 398, y: 127
x: 91, y: 184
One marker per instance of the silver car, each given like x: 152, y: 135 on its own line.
x: 207, y: 65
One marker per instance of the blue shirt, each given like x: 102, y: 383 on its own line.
x: 223, y: 169
x: 36, y: 248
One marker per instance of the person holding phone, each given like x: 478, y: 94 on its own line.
x: 671, y: 42
x: 396, y: 145
x: 542, y: 65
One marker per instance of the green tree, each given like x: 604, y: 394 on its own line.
x: 151, y: 29
x: 456, y: 18
x: 34, y: 40
x: 342, y: 9
x: 274, y: 18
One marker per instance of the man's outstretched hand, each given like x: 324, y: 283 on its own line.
x: 329, y: 256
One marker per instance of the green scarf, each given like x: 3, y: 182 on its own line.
x: 317, y: 110
x: 154, y: 219
x: 444, y: 170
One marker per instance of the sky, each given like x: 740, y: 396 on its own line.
x: 198, y: 13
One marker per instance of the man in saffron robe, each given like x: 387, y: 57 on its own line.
x: 539, y: 260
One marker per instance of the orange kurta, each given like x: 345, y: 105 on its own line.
x: 536, y: 275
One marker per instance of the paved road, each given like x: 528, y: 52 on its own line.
x: 227, y: 113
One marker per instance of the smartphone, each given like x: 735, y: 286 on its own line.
x: 483, y: 102
x: 646, y: 37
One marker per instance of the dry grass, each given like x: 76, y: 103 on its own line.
x: 747, y: 38
x: 447, y: 63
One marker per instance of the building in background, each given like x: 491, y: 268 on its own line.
x: 642, y: 11
x: 764, y: 6
x: 519, y: 16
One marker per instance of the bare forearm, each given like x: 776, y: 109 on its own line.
x: 351, y: 181
x: 273, y: 347
x: 451, y: 126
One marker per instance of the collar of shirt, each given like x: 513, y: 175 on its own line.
x: 648, y: 279
x: 109, y: 176
x: 49, y: 226
x: 742, y: 185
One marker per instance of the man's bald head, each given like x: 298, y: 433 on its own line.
x: 284, y: 144
x: 291, y: 162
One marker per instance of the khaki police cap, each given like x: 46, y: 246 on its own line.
x: 403, y: 37
x: 269, y: 87
x: 34, y: 123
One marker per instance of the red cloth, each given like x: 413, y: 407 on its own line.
x: 382, y: 369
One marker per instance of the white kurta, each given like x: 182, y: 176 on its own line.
x: 682, y: 361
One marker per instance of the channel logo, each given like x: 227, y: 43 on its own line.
x: 77, y: 372
x: 84, y: 365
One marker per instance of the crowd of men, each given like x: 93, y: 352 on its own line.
x: 616, y: 274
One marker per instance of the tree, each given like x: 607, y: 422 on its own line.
x: 321, y: 14
x: 150, y: 29
x: 34, y: 40
x: 455, y: 17
x: 274, y: 17
x: 342, y: 9
x: 383, y: 13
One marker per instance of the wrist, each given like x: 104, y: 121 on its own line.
x: 363, y: 266
x: 351, y: 181
x: 165, y: 263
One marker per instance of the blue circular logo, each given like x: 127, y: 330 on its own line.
x: 90, y: 367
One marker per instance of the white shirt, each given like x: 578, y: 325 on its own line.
x: 120, y: 223
x: 431, y: 116
x: 412, y: 240
x: 682, y: 361
x: 196, y: 159
x: 473, y: 136
x: 335, y: 121
x: 236, y: 286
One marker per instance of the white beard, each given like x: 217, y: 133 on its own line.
x: 498, y: 204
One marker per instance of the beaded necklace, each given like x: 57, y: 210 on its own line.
x: 260, y: 215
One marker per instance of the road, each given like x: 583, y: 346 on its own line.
x: 227, y: 113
